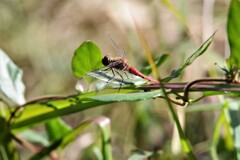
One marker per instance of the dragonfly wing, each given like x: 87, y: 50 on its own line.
x: 116, y: 77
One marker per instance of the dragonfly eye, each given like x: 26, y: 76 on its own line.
x: 105, y: 60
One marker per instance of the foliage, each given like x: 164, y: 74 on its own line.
x: 17, y: 118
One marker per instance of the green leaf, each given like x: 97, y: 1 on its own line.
x: 35, y: 113
x: 190, y: 60
x: 56, y: 128
x: 11, y: 85
x: 104, y: 125
x: 233, y: 31
x: 86, y: 58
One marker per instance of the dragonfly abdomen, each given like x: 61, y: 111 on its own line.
x: 137, y: 73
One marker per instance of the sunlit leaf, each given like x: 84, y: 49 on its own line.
x: 36, y: 113
x: 11, y: 85
x: 190, y: 60
x: 233, y: 31
x: 86, y: 58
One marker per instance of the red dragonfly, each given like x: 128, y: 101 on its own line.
x: 117, y: 71
x: 121, y: 64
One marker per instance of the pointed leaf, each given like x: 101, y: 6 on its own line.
x: 190, y: 60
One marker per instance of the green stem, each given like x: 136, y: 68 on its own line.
x: 185, y: 143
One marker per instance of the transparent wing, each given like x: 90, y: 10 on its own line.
x: 116, y: 77
x: 119, y: 51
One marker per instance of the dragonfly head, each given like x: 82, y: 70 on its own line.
x: 106, y: 60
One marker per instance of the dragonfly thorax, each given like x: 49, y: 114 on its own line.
x: 118, y: 63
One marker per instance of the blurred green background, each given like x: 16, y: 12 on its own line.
x: 41, y: 37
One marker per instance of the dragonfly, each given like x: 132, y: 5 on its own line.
x: 121, y: 63
x: 118, y: 71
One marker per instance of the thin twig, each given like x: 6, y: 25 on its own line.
x: 190, y: 84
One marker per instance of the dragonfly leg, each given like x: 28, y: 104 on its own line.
x: 120, y: 74
x: 120, y: 83
x: 126, y: 75
x: 125, y: 68
x: 112, y: 76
